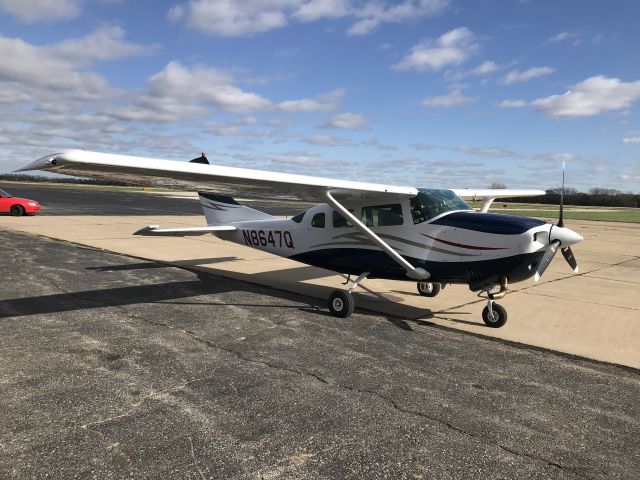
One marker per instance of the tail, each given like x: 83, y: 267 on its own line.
x: 223, y: 210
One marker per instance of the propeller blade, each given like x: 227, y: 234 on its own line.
x: 546, y: 259
x: 571, y: 260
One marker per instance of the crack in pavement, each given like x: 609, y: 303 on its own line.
x: 386, y: 399
x: 390, y: 401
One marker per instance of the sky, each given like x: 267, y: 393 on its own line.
x: 427, y: 93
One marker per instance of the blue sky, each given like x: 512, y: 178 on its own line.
x: 437, y: 93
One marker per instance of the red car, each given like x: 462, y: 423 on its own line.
x: 17, y: 206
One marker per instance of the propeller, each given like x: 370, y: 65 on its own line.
x: 559, y: 236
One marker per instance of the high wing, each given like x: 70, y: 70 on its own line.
x: 489, y: 195
x: 472, y: 194
x: 232, y: 181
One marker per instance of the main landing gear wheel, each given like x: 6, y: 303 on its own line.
x: 341, y: 303
x: 495, y: 318
x: 428, y: 289
x: 16, y: 211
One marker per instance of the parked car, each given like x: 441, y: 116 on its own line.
x: 17, y: 206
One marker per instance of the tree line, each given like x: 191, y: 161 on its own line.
x: 599, y: 197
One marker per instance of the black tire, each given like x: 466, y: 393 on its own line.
x: 16, y: 211
x: 499, y: 316
x: 341, y: 304
x: 428, y: 289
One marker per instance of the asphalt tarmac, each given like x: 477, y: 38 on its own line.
x: 113, y: 367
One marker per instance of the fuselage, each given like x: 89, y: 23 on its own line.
x: 457, y: 245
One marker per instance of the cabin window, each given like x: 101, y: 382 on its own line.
x: 318, y: 220
x: 382, y: 215
x: 340, y: 222
x: 298, y: 218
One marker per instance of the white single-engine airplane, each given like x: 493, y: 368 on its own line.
x: 428, y: 236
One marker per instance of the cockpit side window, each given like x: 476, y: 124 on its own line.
x: 382, y: 215
x: 339, y: 221
x: 318, y: 220
x: 429, y: 203
x: 298, y: 218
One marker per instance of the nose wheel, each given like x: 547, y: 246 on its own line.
x: 494, y: 315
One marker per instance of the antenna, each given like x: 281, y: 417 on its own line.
x: 560, y: 220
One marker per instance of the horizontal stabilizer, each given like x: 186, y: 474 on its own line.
x: 156, y: 231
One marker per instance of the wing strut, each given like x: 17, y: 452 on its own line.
x: 412, y: 272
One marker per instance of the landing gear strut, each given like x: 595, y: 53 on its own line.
x: 494, y: 315
x: 341, y: 303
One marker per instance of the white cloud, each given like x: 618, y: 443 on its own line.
x: 374, y: 142
x: 42, y: 70
x: 182, y: 93
x: 30, y: 11
x: 240, y: 127
x: 451, y: 48
x: 516, y: 76
x: 177, y: 92
x: 513, y: 103
x: 485, y: 68
x: 631, y: 140
x: 105, y: 43
x: 322, y: 103
x: 563, y: 157
x: 302, y: 158
x: 326, y: 140
x: 496, y: 152
x: 591, y: 97
x: 317, y: 9
x: 375, y: 13
x: 176, y: 13
x: 454, y: 98
x: 233, y: 18
x: 422, y: 146
x: 571, y: 37
x: 346, y: 120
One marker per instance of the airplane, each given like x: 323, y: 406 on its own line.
x: 423, y: 235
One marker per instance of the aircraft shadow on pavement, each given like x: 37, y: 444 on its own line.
x: 166, y: 292
x: 151, y: 265
x: 400, y: 315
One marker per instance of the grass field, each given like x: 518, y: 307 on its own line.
x: 571, y: 212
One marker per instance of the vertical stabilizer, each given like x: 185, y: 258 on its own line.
x: 224, y: 210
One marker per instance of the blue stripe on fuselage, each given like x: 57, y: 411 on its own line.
x: 489, y: 222
x: 354, y: 261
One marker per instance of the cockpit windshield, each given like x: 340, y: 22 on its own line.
x: 431, y: 202
x: 5, y: 194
